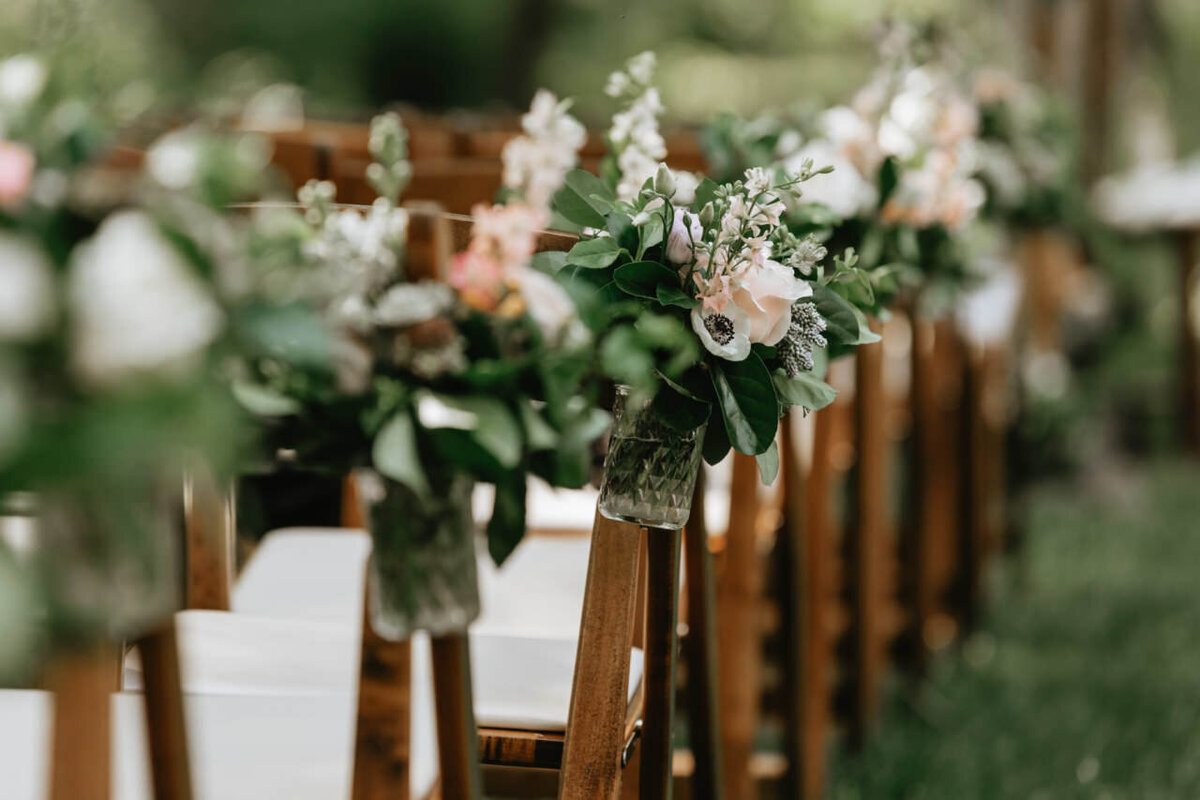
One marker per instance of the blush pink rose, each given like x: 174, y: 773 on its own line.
x: 16, y: 173
x: 766, y: 295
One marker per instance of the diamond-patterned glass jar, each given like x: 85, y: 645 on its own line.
x: 650, y: 470
x: 423, y: 572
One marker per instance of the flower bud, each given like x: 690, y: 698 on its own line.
x: 707, y: 214
x: 664, y: 181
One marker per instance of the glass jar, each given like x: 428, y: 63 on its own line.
x: 423, y: 571
x: 650, y: 470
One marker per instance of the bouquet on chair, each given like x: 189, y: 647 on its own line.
x: 904, y: 189
x: 718, y: 261
x: 119, y: 301
x: 435, y: 375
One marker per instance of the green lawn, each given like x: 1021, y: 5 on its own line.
x: 1085, y: 681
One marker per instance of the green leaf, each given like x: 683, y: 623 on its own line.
x: 642, y: 278
x: 394, y: 453
x: 841, y: 321
x: 805, y: 390
x: 487, y: 420
x: 262, y: 401
x: 768, y: 464
x: 594, y: 253
x: 671, y: 296
x: 678, y: 408
x: 889, y: 178
x: 292, y: 333
x: 622, y: 230
x: 716, y: 443
x: 506, y: 528
x: 549, y: 262
x: 538, y: 433
x: 575, y: 206
x: 650, y: 234
x: 706, y: 191
x: 748, y: 403
x: 865, y: 334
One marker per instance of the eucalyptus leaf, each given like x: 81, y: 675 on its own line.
x: 842, y: 323
x: 768, y: 464
x: 549, y: 262
x: 594, y: 253
x: 538, y: 432
x: 706, y: 191
x: 805, y: 390
x: 575, y: 205
x: 487, y: 420
x: 622, y: 230
x: 748, y: 403
x: 507, y: 526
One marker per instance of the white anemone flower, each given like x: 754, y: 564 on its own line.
x: 725, y: 334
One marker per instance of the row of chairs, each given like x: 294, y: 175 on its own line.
x: 869, y: 551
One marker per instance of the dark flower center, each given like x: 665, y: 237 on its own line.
x: 720, y: 327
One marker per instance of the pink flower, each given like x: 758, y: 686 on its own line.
x: 17, y: 163
x: 479, y: 280
x: 766, y: 295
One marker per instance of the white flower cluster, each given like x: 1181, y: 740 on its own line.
x: 634, y: 134
x: 536, y: 163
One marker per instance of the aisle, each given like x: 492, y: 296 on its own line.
x: 1085, y: 682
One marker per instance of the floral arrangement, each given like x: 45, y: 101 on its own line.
x: 1027, y: 152
x: 903, y: 188
x: 718, y: 262
x: 120, y: 306
x: 428, y: 381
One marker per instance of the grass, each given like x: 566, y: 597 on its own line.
x: 1085, y: 680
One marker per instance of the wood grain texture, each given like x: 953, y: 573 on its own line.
x: 795, y: 618
x: 870, y: 514
x: 658, y: 683
x: 166, y: 723
x: 80, y: 748
x: 740, y: 659
x: 458, y: 742
x: 591, y: 768
x: 382, y: 728
x: 210, y: 535
x: 700, y: 655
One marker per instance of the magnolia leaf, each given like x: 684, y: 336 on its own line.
x: 394, y: 453
x: 768, y: 464
x: 678, y: 408
x: 716, y: 443
x: 622, y: 230
x: 594, y: 253
x: 486, y: 419
x: 671, y: 296
x: 643, y: 278
x: 748, y: 403
x: 805, y: 390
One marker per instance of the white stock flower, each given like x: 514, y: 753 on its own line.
x: 26, y: 289
x: 536, y: 163
x: 686, y: 184
x: 136, y: 305
x: 634, y: 132
x: 844, y: 191
x: 174, y: 159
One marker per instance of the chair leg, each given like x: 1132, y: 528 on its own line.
x: 700, y: 652
x: 591, y: 767
x: 662, y: 617
x: 741, y: 644
x: 80, y: 762
x: 166, y: 726
x: 381, y: 749
x: 458, y: 738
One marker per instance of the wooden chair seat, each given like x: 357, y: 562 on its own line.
x: 243, y: 747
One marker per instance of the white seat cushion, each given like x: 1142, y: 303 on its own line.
x: 518, y: 682
x: 243, y: 747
